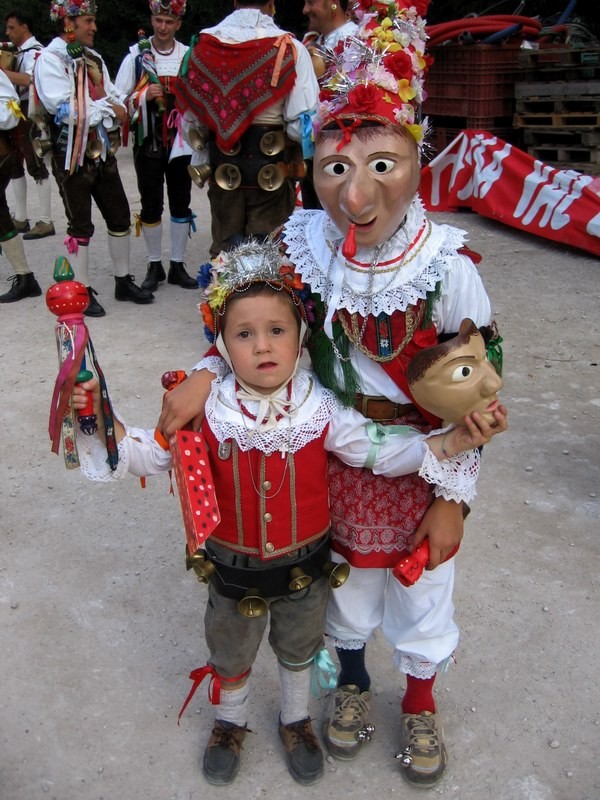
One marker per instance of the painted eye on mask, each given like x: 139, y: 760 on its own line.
x: 336, y: 169
x: 462, y: 373
x: 381, y: 166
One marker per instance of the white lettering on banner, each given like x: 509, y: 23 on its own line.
x: 441, y: 162
x: 558, y: 189
x: 484, y: 176
x: 593, y: 226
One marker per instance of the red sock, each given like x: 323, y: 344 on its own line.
x: 419, y: 695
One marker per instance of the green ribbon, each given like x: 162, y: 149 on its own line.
x: 494, y: 353
x: 378, y: 433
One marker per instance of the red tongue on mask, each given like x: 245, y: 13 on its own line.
x: 349, y: 246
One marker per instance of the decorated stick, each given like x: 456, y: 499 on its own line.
x: 149, y: 65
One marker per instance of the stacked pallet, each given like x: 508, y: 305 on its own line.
x: 471, y: 86
x: 557, y: 106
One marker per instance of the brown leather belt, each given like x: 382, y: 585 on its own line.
x: 380, y: 409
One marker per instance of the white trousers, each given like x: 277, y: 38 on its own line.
x: 418, y: 621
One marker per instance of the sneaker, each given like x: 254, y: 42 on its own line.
x: 94, y: 308
x: 302, y: 751
x: 22, y: 286
x: 125, y: 289
x: 423, y: 754
x: 179, y: 276
x: 347, y: 727
x: 222, y: 755
x: 154, y: 274
x: 40, y: 230
x: 21, y: 225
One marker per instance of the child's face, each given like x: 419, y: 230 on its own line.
x: 370, y: 183
x: 262, y: 339
x: 461, y: 382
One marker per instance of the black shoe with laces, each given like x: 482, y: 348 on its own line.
x: 125, y: 289
x: 179, y: 277
x: 154, y: 275
x: 94, y: 308
x: 221, y: 761
x: 22, y: 286
x: 302, y: 751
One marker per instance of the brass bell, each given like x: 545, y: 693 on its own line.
x: 200, y: 564
x: 41, y: 146
x: 252, y: 604
x: 228, y: 177
x: 233, y: 151
x: 319, y: 63
x: 114, y: 140
x: 336, y: 573
x: 270, y: 177
x: 299, y: 580
x: 271, y: 143
x: 198, y: 137
x: 200, y: 174
x: 94, y: 149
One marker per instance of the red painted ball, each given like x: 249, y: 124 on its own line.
x: 67, y: 297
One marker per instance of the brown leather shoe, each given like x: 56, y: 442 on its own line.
x: 222, y: 755
x: 302, y: 751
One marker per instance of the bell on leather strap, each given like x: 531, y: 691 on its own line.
x: 228, y: 177
x: 233, y: 151
x: 94, y: 148
x: 336, y: 573
x: 40, y: 136
x: 200, y: 564
x: 41, y: 146
x: 270, y: 177
x: 298, y: 580
x: 114, y: 140
x: 252, y: 604
x: 198, y: 137
x: 272, y: 143
x: 200, y: 174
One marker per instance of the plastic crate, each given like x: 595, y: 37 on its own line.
x: 472, y: 80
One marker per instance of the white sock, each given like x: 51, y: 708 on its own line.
x: 233, y: 706
x: 295, y: 689
x: 180, y: 233
x: 19, y: 186
x: 44, y: 190
x: 153, y: 239
x: 118, y: 247
x: 80, y: 264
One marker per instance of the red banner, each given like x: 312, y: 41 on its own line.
x: 484, y: 173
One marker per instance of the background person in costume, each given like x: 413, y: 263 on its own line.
x: 67, y: 72
x: 159, y: 152
x: 251, y: 86
x: 274, y: 511
x: 387, y: 282
x: 19, y: 29
x: 24, y: 283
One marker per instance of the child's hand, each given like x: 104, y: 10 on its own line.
x: 80, y: 396
x: 476, y: 432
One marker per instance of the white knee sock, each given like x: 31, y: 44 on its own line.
x: 295, y: 689
x: 14, y: 252
x: 44, y: 189
x: 233, y: 706
x: 153, y: 240
x: 180, y: 233
x: 19, y: 186
x: 118, y: 247
x: 80, y: 264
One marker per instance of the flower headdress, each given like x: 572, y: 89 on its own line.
x: 59, y: 9
x: 378, y: 74
x: 172, y: 8
x: 235, y: 271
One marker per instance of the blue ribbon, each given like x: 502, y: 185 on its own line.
x: 308, y: 141
x: 324, y: 672
x: 183, y: 220
x: 62, y: 113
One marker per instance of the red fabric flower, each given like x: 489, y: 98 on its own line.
x: 363, y: 98
x: 399, y: 64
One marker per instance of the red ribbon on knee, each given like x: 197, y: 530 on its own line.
x: 214, y: 686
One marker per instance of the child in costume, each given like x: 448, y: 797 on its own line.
x: 386, y: 282
x: 268, y: 427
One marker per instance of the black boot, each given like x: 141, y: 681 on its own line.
x: 154, y: 274
x: 125, y: 289
x: 22, y: 286
x: 94, y: 308
x: 179, y: 277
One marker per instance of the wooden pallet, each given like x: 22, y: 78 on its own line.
x: 560, y: 64
x: 557, y: 120
x: 566, y: 90
x: 556, y: 137
x: 566, y: 155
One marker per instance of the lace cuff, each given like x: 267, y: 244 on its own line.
x: 93, y: 459
x: 214, y: 364
x: 455, y: 478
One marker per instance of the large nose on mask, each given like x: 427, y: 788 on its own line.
x: 492, y: 382
x: 357, y: 195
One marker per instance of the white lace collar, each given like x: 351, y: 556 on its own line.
x: 314, y: 405
x: 409, y: 266
x: 245, y: 25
